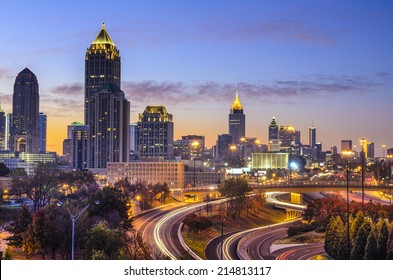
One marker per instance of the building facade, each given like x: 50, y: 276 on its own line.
x: 102, y: 66
x: 3, y: 130
x: 273, y: 130
x: 42, y: 124
x: 155, y: 133
x: 109, y: 128
x: 289, y: 136
x: 25, y: 131
x: 270, y: 160
x: 237, y: 121
x: 79, y: 137
x: 190, y: 147
x: 149, y: 172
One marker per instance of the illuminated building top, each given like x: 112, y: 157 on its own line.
x: 103, y: 37
x: 237, y: 106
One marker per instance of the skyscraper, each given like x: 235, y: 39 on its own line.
x: 42, y: 124
x: 155, y: 133
x: 237, y: 121
x: 107, y: 111
x: 102, y: 66
x: 289, y: 136
x: 25, y: 131
x: 133, y: 139
x: 312, y: 142
x: 109, y: 128
x: 79, y: 136
x: 273, y: 130
x: 346, y: 145
x: 2, y: 130
x: 312, y: 136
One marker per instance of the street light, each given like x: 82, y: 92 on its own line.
x: 222, y: 237
x: 74, y: 218
x: 195, y: 145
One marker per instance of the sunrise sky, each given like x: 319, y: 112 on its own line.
x: 324, y: 62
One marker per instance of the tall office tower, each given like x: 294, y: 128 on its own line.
x: 25, y: 130
x: 223, y: 145
x: 42, y: 124
x: 79, y: 137
x: 312, y: 136
x: 312, y: 142
x: 102, y: 66
x: 109, y: 139
x: 370, y: 150
x: 190, y: 147
x: 273, y: 130
x: 3, y: 129
x: 133, y: 139
x: 8, y: 132
x: 237, y: 121
x: 289, y: 136
x: 346, y: 145
x: 67, y: 150
x: 155, y: 133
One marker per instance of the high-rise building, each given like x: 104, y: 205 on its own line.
x: 42, y: 124
x: 155, y: 133
x: 79, y: 137
x: 237, y: 121
x: 190, y: 147
x: 67, y: 146
x: 25, y: 131
x: 273, y: 130
x: 312, y: 142
x: 133, y: 139
x: 346, y: 145
x: 288, y: 136
x: 312, y: 136
x: 109, y: 128
x: 102, y: 66
x: 370, y: 150
x: 3, y: 129
x: 8, y: 132
x: 222, y: 145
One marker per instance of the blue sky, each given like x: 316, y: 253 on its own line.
x: 327, y: 62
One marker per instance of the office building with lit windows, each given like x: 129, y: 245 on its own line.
x: 237, y: 121
x: 25, y: 131
x: 149, y: 172
x: 155, y: 133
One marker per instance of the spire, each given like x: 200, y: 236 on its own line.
x: 103, y: 37
x: 236, y: 103
x: 273, y: 123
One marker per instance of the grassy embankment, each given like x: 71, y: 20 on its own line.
x: 265, y: 215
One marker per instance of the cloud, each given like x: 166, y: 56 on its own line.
x: 276, y: 91
x: 283, y: 29
x: 6, y: 73
x: 75, y: 89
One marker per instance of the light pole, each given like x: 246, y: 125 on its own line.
x: 222, y: 237
x: 74, y: 218
x: 348, y: 241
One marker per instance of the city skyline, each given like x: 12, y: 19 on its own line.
x: 328, y: 64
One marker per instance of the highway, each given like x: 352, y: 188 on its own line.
x: 167, y: 231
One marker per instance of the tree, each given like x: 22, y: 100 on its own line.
x: 382, y: 241
x: 389, y: 249
x: 359, y: 246
x: 102, y: 242
x: 4, y: 170
x: 114, y: 207
x: 19, y: 225
x: 355, y: 226
x: 371, y: 252
x: 235, y: 188
x: 334, y: 236
x: 78, y: 184
x: 41, y: 187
